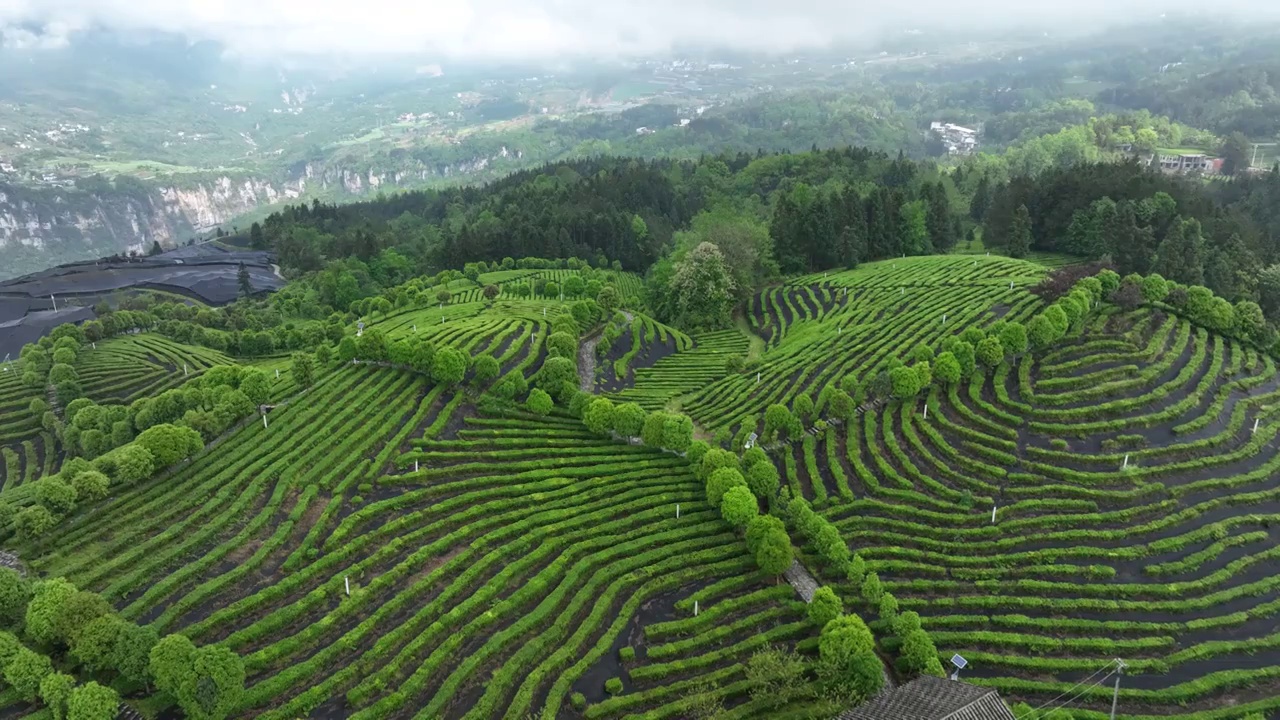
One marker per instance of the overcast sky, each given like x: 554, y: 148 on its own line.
x: 549, y: 29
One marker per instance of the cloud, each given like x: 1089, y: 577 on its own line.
x: 556, y: 29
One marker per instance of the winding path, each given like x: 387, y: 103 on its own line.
x: 587, y: 357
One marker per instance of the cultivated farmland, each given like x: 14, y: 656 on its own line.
x: 386, y: 543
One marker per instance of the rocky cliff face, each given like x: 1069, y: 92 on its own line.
x: 41, y: 227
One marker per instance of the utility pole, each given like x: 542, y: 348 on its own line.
x: 1115, y: 695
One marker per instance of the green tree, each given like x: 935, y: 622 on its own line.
x: 917, y: 653
x: 1013, y: 338
x: 562, y: 344
x: 133, y: 462
x: 34, y: 521
x: 966, y: 356
x: 773, y: 553
x: 775, y: 676
x: 608, y: 299
x: 14, y: 596
x: 244, y: 282
x: 1269, y: 290
x: 990, y: 352
x: 847, y: 662
x: 888, y: 607
x: 170, y: 443
x: 677, y: 434
x: 131, y: 655
x: 171, y: 664
x: 538, y: 402
x: 716, y: 459
x: 491, y: 292
x: 90, y: 486
x: 55, y: 690
x: 913, y: 229
x: 703, y: 289
x: 1020, y: 233
x: 1180, y: 257
x: 872, y: 589
x: 556, y: 373
x: 1235, y: 153
x: 303, y: 369
x: 56, y: 494
x: 803, y: 406
x: 95, y: 644
x: 905, y: 382
x: 1041, y: 332
x: 719, y: 483
x: 777, y: 417
x: 256, y: 386
x: 825, y: 606
x: 485, y: 369
x: 599, y: 416
x: 1154, y: 288
x: 763, y: 480
x: 215, y: 685
x: 92, y: 701
x: 1250, y: 323
x: 628, y: 419
x: 346, y: 350
x: 738, y: 506
x: 25, y: 671
x: 574, y: 286
x: 257, y: 240
x: 946, y: 369
x: 449, y: 366
x: 840, y: 404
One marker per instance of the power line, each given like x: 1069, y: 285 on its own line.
x: 1035, y: 712
x: 1071, y: 700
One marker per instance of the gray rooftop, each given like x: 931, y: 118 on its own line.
x: 933, y: 698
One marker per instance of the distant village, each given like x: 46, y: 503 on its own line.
x: 958, y: 139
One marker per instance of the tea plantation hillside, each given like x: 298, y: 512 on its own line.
x: 520, y: 495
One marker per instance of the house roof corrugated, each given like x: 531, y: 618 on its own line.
x: 932, y: 698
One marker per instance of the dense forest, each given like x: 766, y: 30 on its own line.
x: 1219, y: 234
x: 764, y: 214
x: 746, y: 219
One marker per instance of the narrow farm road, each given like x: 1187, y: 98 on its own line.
x: 587, y: 357
x: 805, y: 584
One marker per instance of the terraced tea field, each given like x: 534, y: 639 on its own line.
x: 1132, y: 472
x: 389, y: 547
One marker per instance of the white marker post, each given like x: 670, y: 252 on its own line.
x: 415, y: 466
x: 95, y: 345
x: 1010, y: 284
x: 993, y: 514
x: 1125, y: 466
x: 757, y: 378
x: 277, y: 373
x: 184, y: 368
x: 347, y: 581
x: 944, y: 318
x: 695, y: 608
x: 926, y: 411
x: 264, y: 421
x: 55, y: 303
x: 677, y: 511
x: 415, y: 327
x: 1255, y: 425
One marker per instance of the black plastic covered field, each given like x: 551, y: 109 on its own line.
x: 207, y: 273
